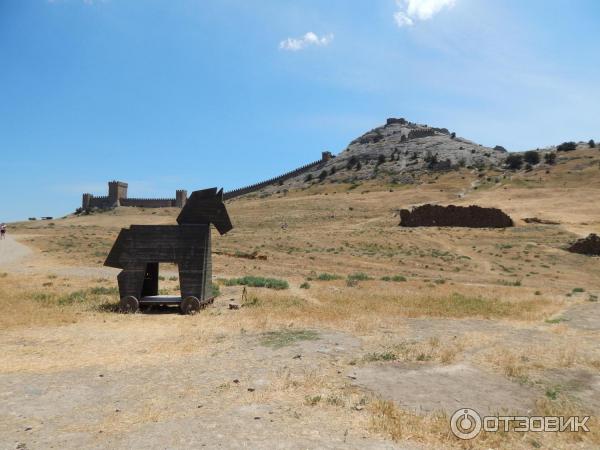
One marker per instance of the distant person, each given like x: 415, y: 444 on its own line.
x: 2, y: 230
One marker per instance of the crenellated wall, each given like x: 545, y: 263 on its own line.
x: 118, y: 197
x: 325, y: 157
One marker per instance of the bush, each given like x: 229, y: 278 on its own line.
x: 322, y: 175
x: 431, y: 160
x: 359, y: 276
x: 332, y: 171
x: 514, y: 161
x: 351, y: 162
x: 270, y: 283
x: 396, y: 278
x: 305, y: 285
x: 550, y: 158
x: 532, y: 157
x: 380, y: 160
x: 452, y: 135
x: 308, y: 178
x: 328, y: 277
x: 566, y: 147
x: 591, y: 143
x: 358, y: 166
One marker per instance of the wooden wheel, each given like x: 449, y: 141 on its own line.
x: 129, y: 304
x: 190, y: 305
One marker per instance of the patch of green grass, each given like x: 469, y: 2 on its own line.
x: 286, y: 337
x: 305, y: 285
x: 328, y: 277
x: 312, y: 400
x: 552, y: 393
x: 396, y: 278
x: 216, y: 291
x: 593, y: 298
x: 556, y: 320
x: 578, y: 289
x: 509, y: 283
x: 359, y: 276
x: 252, y: 281
x: 385, y: 356
x: 173, y: 278
x: 101, y: 290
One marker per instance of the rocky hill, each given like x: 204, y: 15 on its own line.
x: 399, y: 151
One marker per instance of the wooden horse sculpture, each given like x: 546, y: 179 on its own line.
x: 139, y: 250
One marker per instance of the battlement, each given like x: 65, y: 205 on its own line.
x: 325, y: 157
x: 117, y: 196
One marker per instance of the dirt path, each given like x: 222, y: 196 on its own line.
x: 12, y: 251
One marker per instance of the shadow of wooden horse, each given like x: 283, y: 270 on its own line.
x: 139, y: 250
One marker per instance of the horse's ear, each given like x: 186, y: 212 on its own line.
x: 220, y: 194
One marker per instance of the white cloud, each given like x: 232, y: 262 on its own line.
x: 411, y: 10
x: 310, y: 38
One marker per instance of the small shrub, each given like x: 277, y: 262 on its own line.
x: 252, y: 281
x: 308, y: 178
x: 359, y: 276
x: 532, y: 157
x: 322, y: 175
x: 380, y: 160
x: 578, y: 289
x: 385, y: 356
x: 396, y: 278
x: 591, y: 143
x: 305, y: 285
x: 514, y: 161
x: 550, y: 158
x: 351, y: 162
x: 312, y: 400
x: 328, y: 277
x: 567, y: 147
x: 452, y: 135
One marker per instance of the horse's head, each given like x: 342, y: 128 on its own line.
x: 205, y: 207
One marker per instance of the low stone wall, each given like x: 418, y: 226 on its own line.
x: 454, y: 216
x: 587, y: 246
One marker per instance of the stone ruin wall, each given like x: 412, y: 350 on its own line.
x: 455, y: 216
x: 587, y: 246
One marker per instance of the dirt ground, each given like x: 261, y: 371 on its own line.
x: 381, y: 336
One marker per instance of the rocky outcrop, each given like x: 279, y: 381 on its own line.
x: 587, y: 246
x: 454, y: 216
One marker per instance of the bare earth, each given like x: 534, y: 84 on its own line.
x: 501, y: 321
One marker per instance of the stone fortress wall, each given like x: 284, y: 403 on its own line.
x: 325, y: 157
x: 117, y: 196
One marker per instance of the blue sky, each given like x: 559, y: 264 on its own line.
x: 199, y: 93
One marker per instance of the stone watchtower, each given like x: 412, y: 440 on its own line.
x: 116, y: 191
x: 326, y: 156
x: 180, y: 198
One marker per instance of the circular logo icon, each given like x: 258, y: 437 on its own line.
x: 465, y: 423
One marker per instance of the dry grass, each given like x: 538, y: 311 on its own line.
x: 515, y: 279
